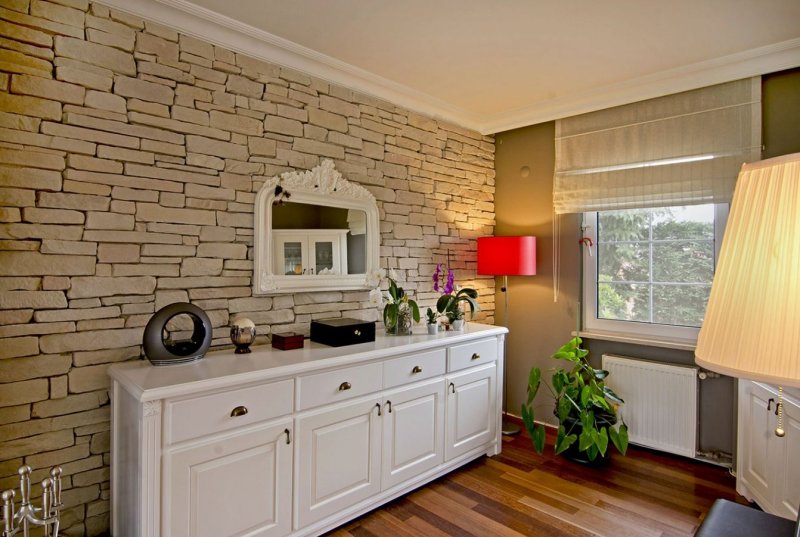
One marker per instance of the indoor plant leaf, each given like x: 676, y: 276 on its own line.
x: 601, y: 441
x: 538, y: 438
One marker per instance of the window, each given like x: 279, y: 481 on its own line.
x: 650, y: 270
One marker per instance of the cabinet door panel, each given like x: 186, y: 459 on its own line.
x: 471, y: 420
x: 338, y: 460
x: 413, y: 425
x: 248, y: 474
x: 787, y: 489
x: 759, y: 430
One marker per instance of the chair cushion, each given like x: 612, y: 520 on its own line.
x: 729, y: 519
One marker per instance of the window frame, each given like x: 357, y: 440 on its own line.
x: 634, y: 331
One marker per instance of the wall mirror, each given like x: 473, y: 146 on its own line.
x: 314, y: 230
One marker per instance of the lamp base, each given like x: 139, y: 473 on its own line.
x: 509, y: 428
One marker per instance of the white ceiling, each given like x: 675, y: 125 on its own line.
x: 498, y: 64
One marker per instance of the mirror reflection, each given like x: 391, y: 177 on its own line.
x: 317, y: 240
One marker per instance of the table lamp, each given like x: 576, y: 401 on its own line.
x: 507, y: 256
x: 751, y: 328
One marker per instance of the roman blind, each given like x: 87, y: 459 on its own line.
x: 680, y: 149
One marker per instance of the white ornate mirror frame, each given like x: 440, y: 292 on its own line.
x: 322, y: 185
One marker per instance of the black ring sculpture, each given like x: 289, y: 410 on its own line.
x: 165, y: 351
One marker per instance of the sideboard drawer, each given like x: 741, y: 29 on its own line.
x: 338, y: 385
x: 414, y: 367
x: 199, y: 416
x: 473, y: 353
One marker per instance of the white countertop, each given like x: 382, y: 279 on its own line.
x: 220, y: 369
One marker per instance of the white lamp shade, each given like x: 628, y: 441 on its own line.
x: 752, y: 324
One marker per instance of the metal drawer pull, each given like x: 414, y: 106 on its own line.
x: 357, y: 332
x: 452, y: 388
x: 769, y: 404
x: 379, y: 408
x: 390, y: 406
x: 476, y: 356
x: 238, y: 411
x: 288, y: 436
x: 344, y: 386
x: 417, y: 369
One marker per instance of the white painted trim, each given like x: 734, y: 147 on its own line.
x: 754, y: 62
x: 202, y: 23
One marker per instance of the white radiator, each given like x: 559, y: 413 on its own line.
x: 660, y: 402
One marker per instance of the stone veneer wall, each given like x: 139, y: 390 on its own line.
x: 129, y: 162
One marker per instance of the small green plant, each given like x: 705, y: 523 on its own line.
x: 398, y: 300
x: 586, y: 408
x: 448, y: 304
x: 431, y: 316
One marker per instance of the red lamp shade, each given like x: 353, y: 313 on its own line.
x: 507, y: 256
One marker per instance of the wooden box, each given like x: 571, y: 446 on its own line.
x: 287, y: 341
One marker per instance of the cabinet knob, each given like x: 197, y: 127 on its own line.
x: 238, y: 411
x: 476, y: 356
x: 344, y: 386
x: 417, y: 369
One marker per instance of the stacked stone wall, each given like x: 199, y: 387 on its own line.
x: 130, y: 156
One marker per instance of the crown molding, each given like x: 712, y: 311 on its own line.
x: 202, y: 23
x: 753, y: 62
x: 199, y: 22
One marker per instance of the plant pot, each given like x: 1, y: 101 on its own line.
x: 458, y: 325
x: 433, y: 329
x: 573, y: 453
x: 403, y: 325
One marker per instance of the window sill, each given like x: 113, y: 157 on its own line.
x: 680, y: 344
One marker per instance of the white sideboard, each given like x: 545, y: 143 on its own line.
x: 276, y: 443
x: 768, y: 467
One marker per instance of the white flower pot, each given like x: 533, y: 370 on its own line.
x: 433, y: 329
x: 458, y: 325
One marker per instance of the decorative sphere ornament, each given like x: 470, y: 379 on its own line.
x: 243, y: 333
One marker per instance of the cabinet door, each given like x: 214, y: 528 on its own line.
x: 237, y: 486
x: 757, y: 429
x: 471, y: 414
x: 338, y: 459
x: 413, y: 431
x: 325, y: 251
x: 787, y: 463
x: 291, y: 254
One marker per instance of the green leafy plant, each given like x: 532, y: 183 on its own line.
x: 586, y: 408
x: 396, y: 302
x: 431, y: 316
x: 448, y: 304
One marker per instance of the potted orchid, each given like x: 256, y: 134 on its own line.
x: 398, y: 308
x: 450, y: 301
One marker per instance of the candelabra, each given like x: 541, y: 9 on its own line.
x: 15, y: 520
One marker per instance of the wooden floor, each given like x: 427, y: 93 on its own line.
x: 521, y: 493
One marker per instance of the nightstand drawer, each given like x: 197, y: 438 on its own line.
x: 216, y: 412
x: 473, y: 353
x: 414, y: 367
x: 338, y: 385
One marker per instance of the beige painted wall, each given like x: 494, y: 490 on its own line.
x: 524, y: 164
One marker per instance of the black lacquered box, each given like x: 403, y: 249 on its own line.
x: 344, y: 331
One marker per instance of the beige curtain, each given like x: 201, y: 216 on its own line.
x: 679, y: 149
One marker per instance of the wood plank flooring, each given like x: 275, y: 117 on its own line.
x: 520, y: 493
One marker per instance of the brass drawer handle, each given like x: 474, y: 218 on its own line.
x: 357, y: 332
x: 344, y: 386
x: 417, y: 369
x: 476, y: 356
x: 238, y: 411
